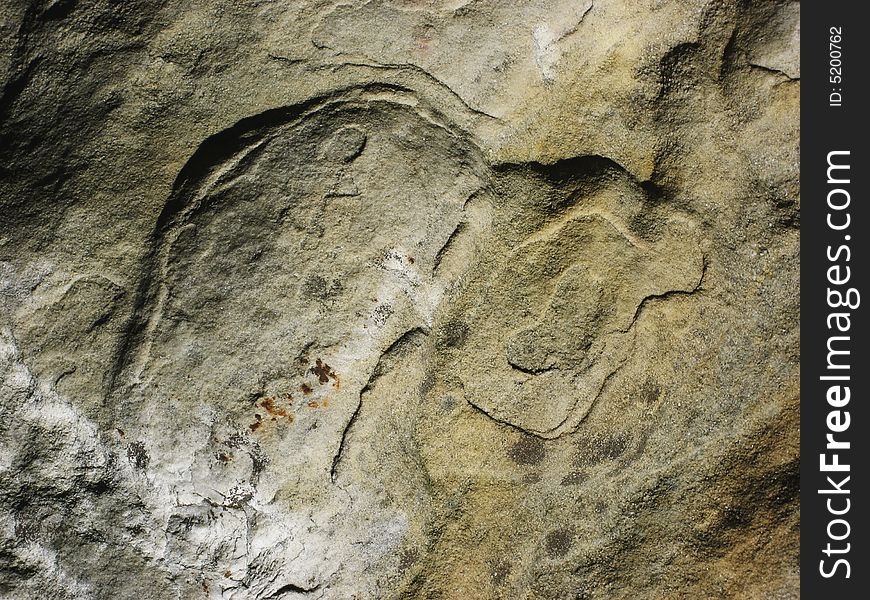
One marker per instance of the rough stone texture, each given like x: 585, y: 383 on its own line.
x: 442, y: 299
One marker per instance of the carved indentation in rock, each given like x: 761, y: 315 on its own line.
x: 554, y: 320
x: 253, y: 234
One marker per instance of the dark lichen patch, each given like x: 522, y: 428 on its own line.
x: 314, y: 286
x: 574, y: 478
x: 26, y: 531
x: 598, y: 448
x: 558, y: 542
x: 317, y: 288
x: 499, y: 572
x: 454, y: 334
x: 306, y: 389
x: 448, y: 403
x: 650, y: 393
x: 381, y: 313
x: 236, y: 441
x: 223, y: 457
x: 529, y: 450
x: 138, y: 455
x: 237, y: 497
x: 259, y: 461
x: 407, y: 559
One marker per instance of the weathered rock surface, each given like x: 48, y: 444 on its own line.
x: 399, y: 299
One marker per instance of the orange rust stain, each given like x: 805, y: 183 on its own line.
x: 273, y: 411
x: 325, y: 403
x: 313, y: 404
x: 268, y: 404
x: 227, y: 573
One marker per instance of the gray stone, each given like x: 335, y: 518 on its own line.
x: 391, y: 299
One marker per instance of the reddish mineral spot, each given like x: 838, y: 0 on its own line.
x: 273, y: 410
x: 306, y: 389
x: 268, y: 404
x: 324, y: 372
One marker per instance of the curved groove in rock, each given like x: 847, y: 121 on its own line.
x: 380, y: 368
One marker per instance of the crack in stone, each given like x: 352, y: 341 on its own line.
x: 773, y: 71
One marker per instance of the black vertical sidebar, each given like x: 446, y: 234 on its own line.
x: 835, y: 223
